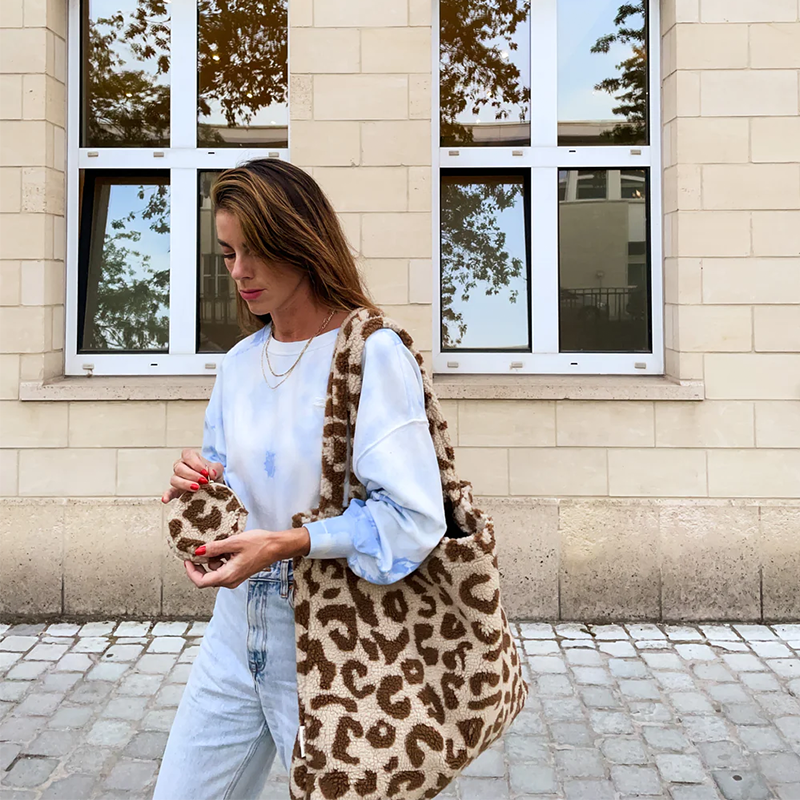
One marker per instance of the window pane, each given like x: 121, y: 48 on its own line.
x: 218, y: 329
x: 604, y: 265
x: 484, y: 261
x: 242, y: 74
x: 125, y: 73
x: 124, y: 263
x: 485, y: 73
x: 602, y: 72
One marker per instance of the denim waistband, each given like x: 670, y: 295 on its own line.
x: 274, y: 572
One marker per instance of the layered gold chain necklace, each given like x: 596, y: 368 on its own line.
x: 285, y: 375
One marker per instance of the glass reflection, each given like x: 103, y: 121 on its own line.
x: 603, y: 262
x: 242, y: 74
x: 218, y: 329
x: 602, y: 72
x: 485, y: 73
x: 484, y: 261
x: 125, y: 73
x: 124, y: 263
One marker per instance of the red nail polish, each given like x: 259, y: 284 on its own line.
x: 201, y: 551
x: 205, y: 472
x: 195, y: 486
x: 213, y: 473
x: 203, y: 480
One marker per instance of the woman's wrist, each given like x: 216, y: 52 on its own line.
x: 294, y: 542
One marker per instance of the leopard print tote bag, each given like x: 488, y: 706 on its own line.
x: 400, y: 686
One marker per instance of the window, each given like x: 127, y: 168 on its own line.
x: 548, y: 213
x: 166, y: 95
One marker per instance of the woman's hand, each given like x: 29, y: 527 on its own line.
x: 247, y: 553
x: 190, y: 470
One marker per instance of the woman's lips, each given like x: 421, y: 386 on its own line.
x: 251, y: 295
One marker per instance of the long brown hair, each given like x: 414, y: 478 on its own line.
x: 285, y: 217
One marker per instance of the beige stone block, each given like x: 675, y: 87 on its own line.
x: 324, y: 50
x: 185, y: 419
x: 25, y: 236
x: 556, y: 472
x: 603, y: 424
x: 396, y: 50
x: 403, y: 142
x: 301, y: 93
x: 43, y: 190
x: 527, y: 541
x: 778, y: 424
x: 31, y: 567
x: 10, y: 97
x: 416, y: 320
x: 668, y: 51
x: 746, y: 186
x: 683, y: 280
x: 777, y: 328
x: 58, y: 327
x: 9, y: 283
x: 486, y: 468
x: 752, y: 376
x: 776, y: 139
x: 683, y: 187
x: 11, y: 14
x: 179, y: 596
x: 419, y: 97
x: 67, y: 473
x: 751, y: 281
x: 681, y: 95
x: 397, y: 235
x: 710, y: 562
x: 754, y: 93
x: 360, y: 13
x: 9, y: 376
x: 780, y: 547
x: 748, y: 11
x: 10, y: 190
x: 776, y: 233
x: 704, y: 47
x: 42, y: 283
x: 24, y: 329
x: 301, y: 14
x: 420, y: 280
x: 23, y: 50
x: 112, y: 558
x: 450, y: 411
x: 117, y: 424
x: 386, y: 280
x: 43, y: 97
x: 507, y: 423
x: 609, y: 560
x: 8, y: 473
x: 420, y: 12
x: 753, y: 473
x: 33, y: 424
x: 50, y: 14
x: 707, y: 424
x: 351, y: 227
x: 657, y: 473
x: 775, y: 46
x: 365, y: 188
x: 41, y: 366
x: 361, y: 97
x: 713, y: 233
x: 684, y: 366
x: 419, y: 189
x: 325, y: 144
x: 711, y: 140
x: 23, y: 143
x: 145, y: 472
x: 708, y: 329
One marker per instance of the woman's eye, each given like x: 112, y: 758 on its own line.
x: 228, y: 256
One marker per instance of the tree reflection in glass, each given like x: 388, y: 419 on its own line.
x: 485, y: 76
x: 242, y: 73
x: 125, y: 264
x: 484, y: 262
x: 602, y: 72
x: 126, y: 58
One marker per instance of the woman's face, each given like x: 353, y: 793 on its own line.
x: 265, y: 287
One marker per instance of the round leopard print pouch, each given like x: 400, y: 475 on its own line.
x: 210, y: 514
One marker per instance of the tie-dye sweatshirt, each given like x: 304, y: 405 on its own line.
x: 270, y: 444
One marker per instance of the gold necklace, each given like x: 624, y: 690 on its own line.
x: 285, y: 375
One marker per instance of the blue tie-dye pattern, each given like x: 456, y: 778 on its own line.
x: 250, y: 431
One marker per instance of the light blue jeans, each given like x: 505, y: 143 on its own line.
x: 240, y: 703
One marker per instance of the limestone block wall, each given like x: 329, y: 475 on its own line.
x: 626, y: 502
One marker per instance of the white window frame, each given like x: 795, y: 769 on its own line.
x: 184, y: 160
x: 544, y: 158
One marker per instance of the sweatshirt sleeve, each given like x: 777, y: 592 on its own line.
x: 213, y: 432
x: 390, y: 534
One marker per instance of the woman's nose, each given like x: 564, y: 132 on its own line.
x: 240, y: 270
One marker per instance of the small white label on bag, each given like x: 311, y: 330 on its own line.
x: 302, y: 738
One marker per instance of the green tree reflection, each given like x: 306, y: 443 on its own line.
x: 473, y: 248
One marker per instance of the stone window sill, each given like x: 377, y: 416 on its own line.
x: 448, y: 387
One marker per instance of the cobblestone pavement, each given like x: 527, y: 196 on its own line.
x: 680, y: 712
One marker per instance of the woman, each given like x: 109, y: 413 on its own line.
x: 297, y: 282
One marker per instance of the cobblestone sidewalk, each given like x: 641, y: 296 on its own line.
x: 686, y: 713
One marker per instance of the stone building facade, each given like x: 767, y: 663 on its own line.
x: 644, y: 496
